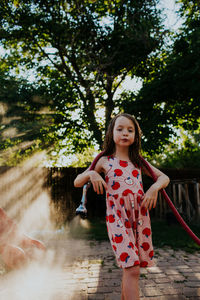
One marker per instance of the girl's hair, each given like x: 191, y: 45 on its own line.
x: 134, y: 149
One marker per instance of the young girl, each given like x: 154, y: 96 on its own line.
x: 127, y: 214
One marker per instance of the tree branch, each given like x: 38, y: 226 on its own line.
x: 122, y: 79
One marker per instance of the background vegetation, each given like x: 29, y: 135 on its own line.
x: 63, y: 62
x: 173, y: 236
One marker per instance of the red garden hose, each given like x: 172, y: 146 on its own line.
x: 171, y: 205
x: 163, y: 192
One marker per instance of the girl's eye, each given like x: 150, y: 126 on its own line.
x: 119, y: 129
x: 130, y: 130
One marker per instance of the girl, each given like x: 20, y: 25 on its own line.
x: 127, y: 214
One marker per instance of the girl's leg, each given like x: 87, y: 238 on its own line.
x: 130, y: 283
x: 122, y: 292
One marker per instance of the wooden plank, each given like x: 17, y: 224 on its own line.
x: 187, y: 200
x: 180, y: 198
x: 197, y: 187
x: 174, y: 193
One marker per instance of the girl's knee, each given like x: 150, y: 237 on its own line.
x: 132, y: 271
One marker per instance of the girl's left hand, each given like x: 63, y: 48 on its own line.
x: 150, y: 198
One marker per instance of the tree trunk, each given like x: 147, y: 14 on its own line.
x: 109, y: 110
x: 93, y: 125
x: 109, y: 104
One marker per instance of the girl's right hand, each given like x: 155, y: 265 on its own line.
x: 97, y: 182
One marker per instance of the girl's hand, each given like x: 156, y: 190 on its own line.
x: 150, y: 198
x: 97, y: 182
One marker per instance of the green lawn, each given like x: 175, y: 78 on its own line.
x: 163, y: 235
x: 174, y: 236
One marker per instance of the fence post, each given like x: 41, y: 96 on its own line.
x: 198, y: 200
x: 180, y: 198
x: 174, y: 193
x: 187, y: 200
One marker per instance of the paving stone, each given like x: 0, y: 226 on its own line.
x: 179, y: 286
x: 194, y: 277
x: 171, y: 291
x: 162, y: 264
x: 152, y: 291
x: 104, y: 289
x: 162, y: 280
x: 95, y: 297
x: 170, y: 271
x: 191, y: 292
x: 146, y: 283
x: 154, y: 270
x: 193, y: 284
x: 164, y: 286
x: 95, y: 284
x: 113, y: 296
x: 79, y: 296
x: 167, y: 297
x: 157, y: 275
x: 92, y: 290
x: 113, y: 282
x: 179, y: 277
x: 196, y: 269
x: 183, y: 267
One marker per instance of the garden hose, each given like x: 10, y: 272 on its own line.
x: 171, y: 205
x: 164, y: 194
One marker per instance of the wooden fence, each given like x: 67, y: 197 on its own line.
x: 22, y: 187
x: 184, y: 194
x: 184, y: 191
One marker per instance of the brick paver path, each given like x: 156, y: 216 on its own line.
x: 79, y: 269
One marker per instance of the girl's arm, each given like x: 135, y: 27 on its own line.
x: 150, y: 197
x: 93, y: 176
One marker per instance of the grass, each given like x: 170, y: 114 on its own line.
x: 96, y: 230
x: 163, y: 235
x: 174, y: 236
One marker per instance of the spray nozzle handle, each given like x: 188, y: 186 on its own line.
x: 82, y: 210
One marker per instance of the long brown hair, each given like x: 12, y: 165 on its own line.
x: 134, y: 149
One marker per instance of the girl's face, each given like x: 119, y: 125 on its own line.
x: 123, y: 132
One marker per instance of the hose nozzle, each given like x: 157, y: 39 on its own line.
x: 82, y: 210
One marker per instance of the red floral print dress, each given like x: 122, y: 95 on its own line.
x: 128, y: 225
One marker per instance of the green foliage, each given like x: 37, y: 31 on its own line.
x: 170, y: 93
x: 81, y: 52
x: 180, y: 158
x: 31, y: 123
x: 84, y: 158
x: 183, y: 152
x: 23, y: 114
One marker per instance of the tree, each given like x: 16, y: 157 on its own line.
x: 170, y: 93
x: 182, y: 153
x: 81, y: 52
x: 23, y: 118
